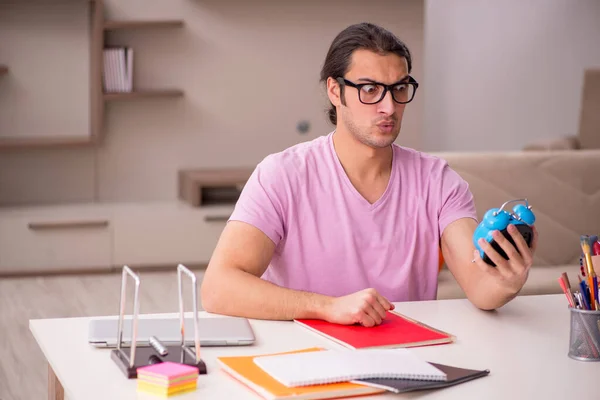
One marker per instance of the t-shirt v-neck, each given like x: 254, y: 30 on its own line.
x: 344, y: 176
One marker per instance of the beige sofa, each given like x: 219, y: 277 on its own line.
x: 563, y: 187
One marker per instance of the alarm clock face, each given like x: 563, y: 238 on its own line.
x: 525, y: 230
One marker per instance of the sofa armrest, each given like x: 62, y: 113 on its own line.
x: 564, y: 143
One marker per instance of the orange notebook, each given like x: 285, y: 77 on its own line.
x: 394, y: 331
x: 245, y: 370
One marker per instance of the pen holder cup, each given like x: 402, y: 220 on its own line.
x: 584, y: 340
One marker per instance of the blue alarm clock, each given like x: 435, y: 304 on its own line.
x: 499, y: 219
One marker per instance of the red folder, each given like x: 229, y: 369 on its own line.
x: 394, y: 331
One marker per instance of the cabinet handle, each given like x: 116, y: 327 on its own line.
x: 36, y: 226
x: 215, y: 218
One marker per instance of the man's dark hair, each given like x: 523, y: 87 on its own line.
x: 359, y: 36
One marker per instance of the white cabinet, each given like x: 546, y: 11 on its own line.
x: 165, y: 234
x: 55, y: 238
x: 79, y: 237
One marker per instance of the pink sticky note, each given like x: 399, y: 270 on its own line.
x: 168, y: 370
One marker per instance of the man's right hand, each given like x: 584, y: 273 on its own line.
x: 366, y: 307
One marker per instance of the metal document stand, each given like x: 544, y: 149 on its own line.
x: 130, y: 359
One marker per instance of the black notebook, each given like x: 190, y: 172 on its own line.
x: 455, y: 376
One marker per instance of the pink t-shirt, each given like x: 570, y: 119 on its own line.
x: 331, y: 240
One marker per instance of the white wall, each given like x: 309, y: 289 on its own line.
x: 501, y: 74
x: 250, y: 72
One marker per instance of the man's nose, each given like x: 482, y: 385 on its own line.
x: 387, y: 105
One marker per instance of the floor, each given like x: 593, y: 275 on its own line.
x: 23, y: 370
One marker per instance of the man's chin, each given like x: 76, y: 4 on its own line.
x: 379, y: 143
x: 383, y: 140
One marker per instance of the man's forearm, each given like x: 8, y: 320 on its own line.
x: 238, y: 293
x: 487, y: 295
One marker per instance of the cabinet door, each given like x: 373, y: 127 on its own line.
x: 166, y: 234
x: 51, y: 103
x: 54, y: 242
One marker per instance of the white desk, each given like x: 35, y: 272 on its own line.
x: 524, y: 345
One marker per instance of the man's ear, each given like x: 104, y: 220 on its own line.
x: 334, y: 92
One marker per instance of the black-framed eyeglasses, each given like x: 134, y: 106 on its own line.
x: 373, y: 92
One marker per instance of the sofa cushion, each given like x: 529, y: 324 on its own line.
x: 562, y: 187
x: 563, y: 143
x: 541, y: 280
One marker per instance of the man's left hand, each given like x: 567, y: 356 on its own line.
x: 509, y: 274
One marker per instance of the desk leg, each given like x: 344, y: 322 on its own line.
x: 55, y: 389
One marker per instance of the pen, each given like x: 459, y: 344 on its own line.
x: 578, y: 300
x: 584, y: 298
x: 595, y: 279
x: 158, y: 346
x: 567, y: 291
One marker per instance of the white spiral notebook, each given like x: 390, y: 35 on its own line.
x: 319, y: 367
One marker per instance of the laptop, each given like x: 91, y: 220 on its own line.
x: 212, y: 331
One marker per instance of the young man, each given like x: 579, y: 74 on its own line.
x: 339, y: 227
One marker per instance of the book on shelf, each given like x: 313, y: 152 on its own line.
x: 117, y: 75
